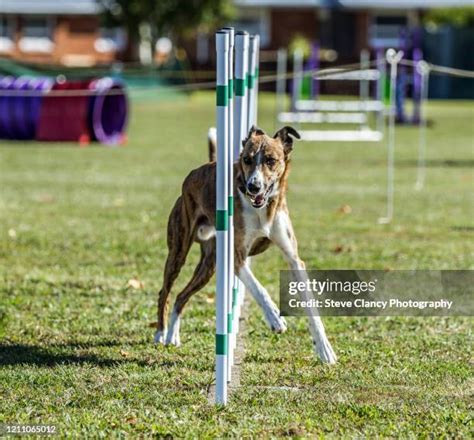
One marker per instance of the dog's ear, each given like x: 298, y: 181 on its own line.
x: 284, y: 134
x: 253, y: 130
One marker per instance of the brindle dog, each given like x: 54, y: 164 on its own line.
x: 261, y: 217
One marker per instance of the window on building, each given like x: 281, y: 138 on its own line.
x: 387, y: 30
x: 255, y: 21
x: 6, y: 33
x: 37, y: 35
x: 37, y: 27
x: 6, y: 28
x: 110, y: 40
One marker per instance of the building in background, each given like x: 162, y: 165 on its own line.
x: 64, y: 32
x: 70, y: 33
x: 347, y: 26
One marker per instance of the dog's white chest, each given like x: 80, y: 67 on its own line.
x: 255, y: 221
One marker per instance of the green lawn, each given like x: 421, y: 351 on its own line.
x: 76, y: 348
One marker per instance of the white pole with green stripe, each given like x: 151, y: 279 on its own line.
x: 255, y: 74
x: 251, y: 79
x: 241, y: 88
x: 230, y: 191
x: 222, y: 220
x: 240, y: 133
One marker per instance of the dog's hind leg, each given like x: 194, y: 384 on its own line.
x: 179, y: 242
x: 202, y: 274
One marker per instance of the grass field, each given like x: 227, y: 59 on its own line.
x: 76, y: 350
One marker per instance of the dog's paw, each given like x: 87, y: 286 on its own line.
x: 172, y: 338
x: 276, y: 322
x: 325, y: 352
x: 160, y: 337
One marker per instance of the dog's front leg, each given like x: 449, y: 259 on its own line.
x: 283, y: 236
x: 272, y: 314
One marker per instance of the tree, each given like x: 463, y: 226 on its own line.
x: 166, y: 17
x: 458, y: 17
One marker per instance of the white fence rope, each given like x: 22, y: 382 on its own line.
x: 316, y: 73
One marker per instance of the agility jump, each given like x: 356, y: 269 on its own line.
x: 316, y: 111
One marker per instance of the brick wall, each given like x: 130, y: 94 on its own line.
x: 73, y: 37
x: 286, y: 23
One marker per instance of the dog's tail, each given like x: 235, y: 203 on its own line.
x: 212, y: 143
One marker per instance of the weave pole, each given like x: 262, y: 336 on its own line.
x: 252, y: 91
x: 241, y: 89
x: 232, y: 128
x: 252, y: 81
x: 240, y: 132
x: 256, y: 73
x: 230, y: 203
x: 222, y: 215
x: 251, y: 119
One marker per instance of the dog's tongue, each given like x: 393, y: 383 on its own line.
x: 259, y: 199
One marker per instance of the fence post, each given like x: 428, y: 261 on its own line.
x: 423, y: 69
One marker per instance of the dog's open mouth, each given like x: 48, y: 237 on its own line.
x: 259, y: 200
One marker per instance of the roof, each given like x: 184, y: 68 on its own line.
x: 399, y: 4
x: 281, y: 3
x: 69, y: 7
x: 356, y: 4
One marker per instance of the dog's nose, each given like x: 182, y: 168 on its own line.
x: 254, y: 188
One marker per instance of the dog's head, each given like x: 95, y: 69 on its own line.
x: 263, y: 162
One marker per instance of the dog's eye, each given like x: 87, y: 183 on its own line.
x: 247, y: 160
x: 270, y: 161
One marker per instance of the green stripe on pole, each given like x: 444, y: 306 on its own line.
x: 250, y: 80
x: 229, y: 323
x: 222, y: 220
x: 221, y: 344
x: 235, y: 292
x: 231, y: 206
x: 231, y: 88
x: 256, y: 72
x: 240, y: 85
x: 222, y: 96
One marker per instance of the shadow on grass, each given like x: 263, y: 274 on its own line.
x: 105, y: 342
x: 438, y: 163
x: 19, y: 354
x: 463, y: 228
x: 22, y: 354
